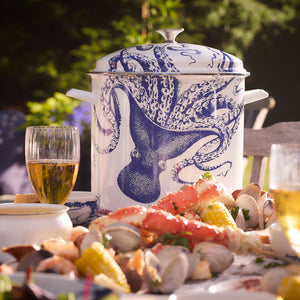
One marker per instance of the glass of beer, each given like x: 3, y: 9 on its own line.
x: 52, y: 156
x: 285, y: 189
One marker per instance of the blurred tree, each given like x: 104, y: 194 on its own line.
x: 232, y: 25
x: 49, y: 45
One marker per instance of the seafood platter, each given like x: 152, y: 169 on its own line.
x: 199, y: 240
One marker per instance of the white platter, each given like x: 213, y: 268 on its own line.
x: 249, y: 284
x: 57, y: 284
x: 201, y: 295
x: 236, y: 295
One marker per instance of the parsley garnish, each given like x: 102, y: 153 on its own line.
x: 246, y: 214
x: 175, y: 239
x: 259, y: 260
x: 273, y: 264
x: 206, y: 175
x: 234, y: 212
x: 155, y: 282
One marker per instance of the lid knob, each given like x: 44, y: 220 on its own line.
x: 170, y: 34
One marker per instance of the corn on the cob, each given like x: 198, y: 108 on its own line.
x: 96, y: 260
x: 290, y: 288
x: 215, y: 213
x: 109, y: 283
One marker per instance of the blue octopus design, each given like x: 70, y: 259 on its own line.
x: 164, y: 123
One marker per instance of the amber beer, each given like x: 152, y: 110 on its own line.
x: 287, y: 202
x: 52, y: 180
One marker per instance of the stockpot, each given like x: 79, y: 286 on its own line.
x: 163, y: 115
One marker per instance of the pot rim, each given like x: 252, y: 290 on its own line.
x: 246, y: 74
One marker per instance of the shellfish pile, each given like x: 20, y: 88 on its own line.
x: 157, y: 249
x: 253, y: 209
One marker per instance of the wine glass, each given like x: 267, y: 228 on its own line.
x: 52, y: 156
x: 285, y: 189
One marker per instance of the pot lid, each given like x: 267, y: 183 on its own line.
x: 170, y: 57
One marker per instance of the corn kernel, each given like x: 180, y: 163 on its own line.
x: 97, y: 260
x: 215, y: 213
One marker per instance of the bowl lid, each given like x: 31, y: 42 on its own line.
x: 170, y: 57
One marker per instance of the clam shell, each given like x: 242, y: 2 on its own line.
x: 261, y: 200
x: 193, y: 258
x: 240, y: 220
x: 218, y: 256
x: 168, y: 269
x: 193, y: 261
x: 252, y: 189
x: 124, y: 237
x: 272, y: 219
x: 268, y: 208
x: 265, y: 208
x: 174, y: 264
x: 152, y: 271
x: 92, y: 236
x: 247, y: 202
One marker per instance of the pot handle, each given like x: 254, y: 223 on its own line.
x: 83, y: 95
x: 249, y: 96
x: 254, y: 95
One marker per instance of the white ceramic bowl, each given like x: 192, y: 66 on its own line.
x: 32, y: 223
x: 281, y: 245
x: 83, y: 207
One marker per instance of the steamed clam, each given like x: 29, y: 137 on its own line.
x: 247, y: 204
x: 254, y: 209
x: 240, y: 220
x: 124, y: 237
x: 88, y: 238
x: 252, y: 189
x: 218, y: 256
x: 167, y: 270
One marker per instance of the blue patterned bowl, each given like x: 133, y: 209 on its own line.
x: 83, y: 207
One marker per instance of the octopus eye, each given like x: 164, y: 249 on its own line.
x: 162, y: 164
x: 135, y: 153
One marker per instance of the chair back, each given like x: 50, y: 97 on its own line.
x: 257, y: 143
x: 256, y: 112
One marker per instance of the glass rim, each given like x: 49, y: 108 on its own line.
x: 54, y: 127
x: 285, y: 145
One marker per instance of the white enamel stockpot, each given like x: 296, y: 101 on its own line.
x: 162, y: 115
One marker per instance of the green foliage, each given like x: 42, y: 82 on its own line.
x: 49, y: 45
x: 51, y: 112
x: 99, y: 42
x: 232, y: 25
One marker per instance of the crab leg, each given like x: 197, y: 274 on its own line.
x: 193, y: 197
x: 161, y: 222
